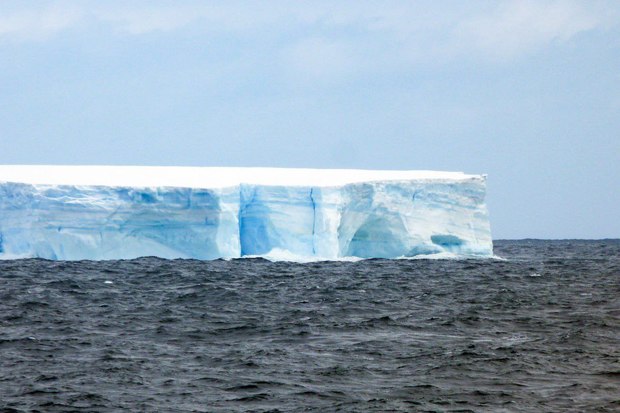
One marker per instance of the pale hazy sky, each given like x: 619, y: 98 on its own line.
x: 525, y: 91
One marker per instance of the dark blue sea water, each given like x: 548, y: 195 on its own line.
x: 538, y: 332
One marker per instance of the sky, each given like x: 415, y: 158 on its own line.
x: 527, y: 92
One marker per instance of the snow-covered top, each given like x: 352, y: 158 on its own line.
x: 208, y: 177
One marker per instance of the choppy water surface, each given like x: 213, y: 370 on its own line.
x: 537, y: 332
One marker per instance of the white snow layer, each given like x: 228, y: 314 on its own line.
x: 113, y: 212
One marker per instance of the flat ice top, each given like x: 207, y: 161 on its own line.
x: 207, y: 177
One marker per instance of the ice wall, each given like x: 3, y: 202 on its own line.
x: 257, y: 214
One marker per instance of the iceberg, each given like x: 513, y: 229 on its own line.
x: 124, y: 212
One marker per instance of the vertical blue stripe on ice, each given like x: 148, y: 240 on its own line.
x: 380, y: 218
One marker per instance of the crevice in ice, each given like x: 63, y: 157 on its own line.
x: 447, y: 241
x: 146, y: 198
x: 1, y: 243
x: 378, y: 237
x: 256, y: 233
x: 313, y: 219
x: 239, y: 215
x: 414, y: 196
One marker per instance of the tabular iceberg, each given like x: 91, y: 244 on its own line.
x: 106, y: 212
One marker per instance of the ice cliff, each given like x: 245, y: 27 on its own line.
x: 105, y: 212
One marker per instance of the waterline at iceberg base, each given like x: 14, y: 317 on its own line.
x: 109, y: 212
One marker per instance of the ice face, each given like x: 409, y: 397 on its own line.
x: 374, y: 219
x: 68, y: 222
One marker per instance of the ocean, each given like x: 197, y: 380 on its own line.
x: 536, y: 331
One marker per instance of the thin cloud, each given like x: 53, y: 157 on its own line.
x: 320, y: 57
x: 518, y: 27
x: 323, y: 37
x: 37, y: 24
